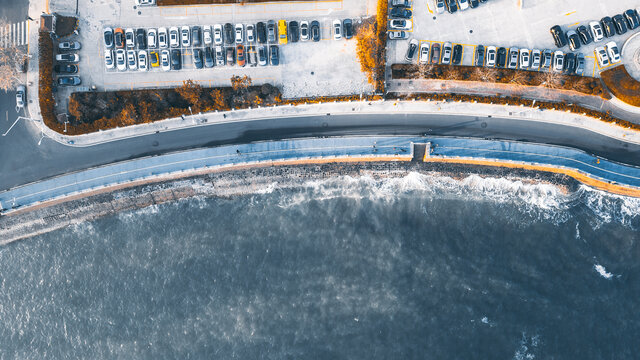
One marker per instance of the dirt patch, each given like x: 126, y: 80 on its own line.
x: 65, y: 25
x: 45, y: 80
x: 203, y: 2
x: 582, y: 84
x: 622, y: 85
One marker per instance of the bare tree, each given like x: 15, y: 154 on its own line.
x: 12, y: 59
x: 519, y: 78
x: 552, y: 80
x: 425, y: 70
x: 485, y: 74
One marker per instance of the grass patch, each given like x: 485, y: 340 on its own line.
x: 622, y: 85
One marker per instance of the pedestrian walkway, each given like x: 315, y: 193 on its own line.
x: 15, y: 34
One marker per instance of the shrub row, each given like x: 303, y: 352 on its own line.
x: 371, y: 44
x: 45, y: 81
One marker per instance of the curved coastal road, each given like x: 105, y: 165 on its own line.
x: 23, y: 161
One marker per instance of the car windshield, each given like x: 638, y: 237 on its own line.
x: 108, y: 37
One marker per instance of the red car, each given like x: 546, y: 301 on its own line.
x: 241, y: 56
x: 118, y: 36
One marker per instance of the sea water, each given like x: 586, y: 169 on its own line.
x: 417, y: 267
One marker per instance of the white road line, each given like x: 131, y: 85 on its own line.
x: 13, y: 34
x: 1, y: 37
x: 25, y: 32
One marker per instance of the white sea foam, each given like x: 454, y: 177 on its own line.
x: 602, y: 271
x: 527, y: 346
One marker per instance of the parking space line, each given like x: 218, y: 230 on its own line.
x: 569, y: 13
x: 429, y: 8
x: 575, y: 24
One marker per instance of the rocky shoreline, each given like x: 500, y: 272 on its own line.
x: 246, y: 180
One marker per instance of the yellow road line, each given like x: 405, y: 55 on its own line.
x: 569, y: 13
x: 572, y: 25
x: 429, y: 7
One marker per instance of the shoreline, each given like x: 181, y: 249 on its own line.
x: 243, y: 180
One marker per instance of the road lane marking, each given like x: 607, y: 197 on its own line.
x: 569, y: 13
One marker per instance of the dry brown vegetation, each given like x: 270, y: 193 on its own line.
x: 371, y: 43
x: 45, y: 81
x: 65, y: 25
x: 203, y: 2
x: 583, y: 84
x: 622, y: 85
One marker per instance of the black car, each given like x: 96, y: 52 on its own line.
x: 261, y: 32
x: 108, y: 38
x: 558, y: 36
x: 569, y: 63
x: 66, y: 69
x: 621, y: 25
x: 69, y: 81
x: 608, y: 27
x: 229, y: 34
x: 452, y: 6
x: 176, y: 59
x: 196, y: 36
x: 208, y: 57
x: 294, y: 31
x: 585, y: 35
x: 473, y: 3
x: 315, y: 30
x: 274, y: 56
x: 501, y: 60
x: 632, y: 19
x: 197, y: 58
x: 574, y: 40
x: 400, y: 12
x: 118, y: 39
x: 457, y: 54
x: 347, y: 28
x: 141, y: 39
x: 479, y: 59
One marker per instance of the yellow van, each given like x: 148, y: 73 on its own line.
x: 282, y: 32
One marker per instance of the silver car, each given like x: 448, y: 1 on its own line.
x: 446, y: 53
x: 491, y: 56
x: 21, y: 93
x: 513, y: 58
x: 558, y: 61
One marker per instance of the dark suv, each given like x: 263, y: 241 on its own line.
x: 479, y: 59
x: 608, y: 27
x: 261, y: 31
x: 558, y: 36
x: 141, y: 39
x: 632, y: 19
x: 621, y: 25
x: 347, y: 28
x: 452, y: 6
x: 229, y: 34
x: 501, y: 60
x: 176, y: 59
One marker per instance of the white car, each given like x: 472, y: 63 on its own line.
x: 440, y: 6
x: 601, y: 55
x: 613, y: 52
x: 398, y: 35
x: 337, y: 29
x: 217, y: 34
x: 165, y: 60
x: 464, y: 4
x: 185, y: 35
x: 239, y: 33
x: 130, y: 38
x: 558, y: 61
x: 596, y: 31
x: 400, y: 24
x: 536, y: 59
x: 446, y: 53
x: 121, y: 60
x: 132, y: 61
x: 108, y: 59
x: 424, y: 53
x: 206, y: 35
x: 251, y: 33
x: 162, y: 38
x: 145, y: 2
x: 152, y: 38
x: 143, y: 60
x: 492, y: 53
x: 174, y: 36
x: 71, y: 58
x: 304, y: 30
x: 524, y: 58
x: 220, y: 61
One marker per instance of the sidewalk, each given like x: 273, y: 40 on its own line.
x: 528, y: 92
x: 32, y: 109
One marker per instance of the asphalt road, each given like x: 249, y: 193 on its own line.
x: 24, y: 161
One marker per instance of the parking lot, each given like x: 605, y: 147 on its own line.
x: 327, y: 67
x: 502, y: 23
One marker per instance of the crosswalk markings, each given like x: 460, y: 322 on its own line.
x: 14, y: 34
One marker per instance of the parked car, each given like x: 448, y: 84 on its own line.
x: 239, y: 33
x: 154, y: 59
x: 569, y: 64
x: 584, y: 34
x: 464, y: 4
x: 165, y: 61
x: 69, y: 45
x: 501, y: 60
x: 424, y: 53
x: 282, y: 32
x: 21, y: 95
x: 130, y: 38
x: 479, y: 56
x: 176, y: 59
x: 220, y: 60
x: 261, y: 32
x: 398, y: 35
x: 620, y: 24
x: 262, y: 56
x: 66, y: 68
x: 547, y: 58
x: 452, y: 6
x: 217, y: 34
x: 440, y: 7
x: 596, y: 31
x: 513, y: 58
x: 399, y: 24
x: 107, y: 36
x: 240, y: 55
x: 601, y: 56
x: 143, y: 60
x: 121, y: 60
x: 337, y: 29
x: 315, y: 30
x: 251, y: 33
x: 69, y: 81
x: 492, y: 56
x: 400, y: 12
x: 251, y: 56
x: 294, y: 31
x: 404, y: 3
x: 474, y: 4
x: 457, y: 54
x: 613, y: 52
x: 229, y: 34
x: 558, y: 61
x: 608, y: 27
x: 196, y: 36
x: 118, y: 38
x: 536, y: 59
x: 207, y: 36
x: 435, y: 53
x: 208, y: 57
x: 108, y: 59
x: 412, y: 49
x: 174, y: 37
x: 73, y: 58
x: 185, y: 36
x: 152, y: 38
x: 579, y: 64
x: 271, y: 31
x: 231, y: 56
x: 446, y: 53
x: 132, y: 60
x: 574, y: 40
x: 197, y: 58
x: 347, y: 28
x: 524, y: 58
x: 141, y: 39
x: 274, y: 56
x: 633, y: 21
x: 558, y: 36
